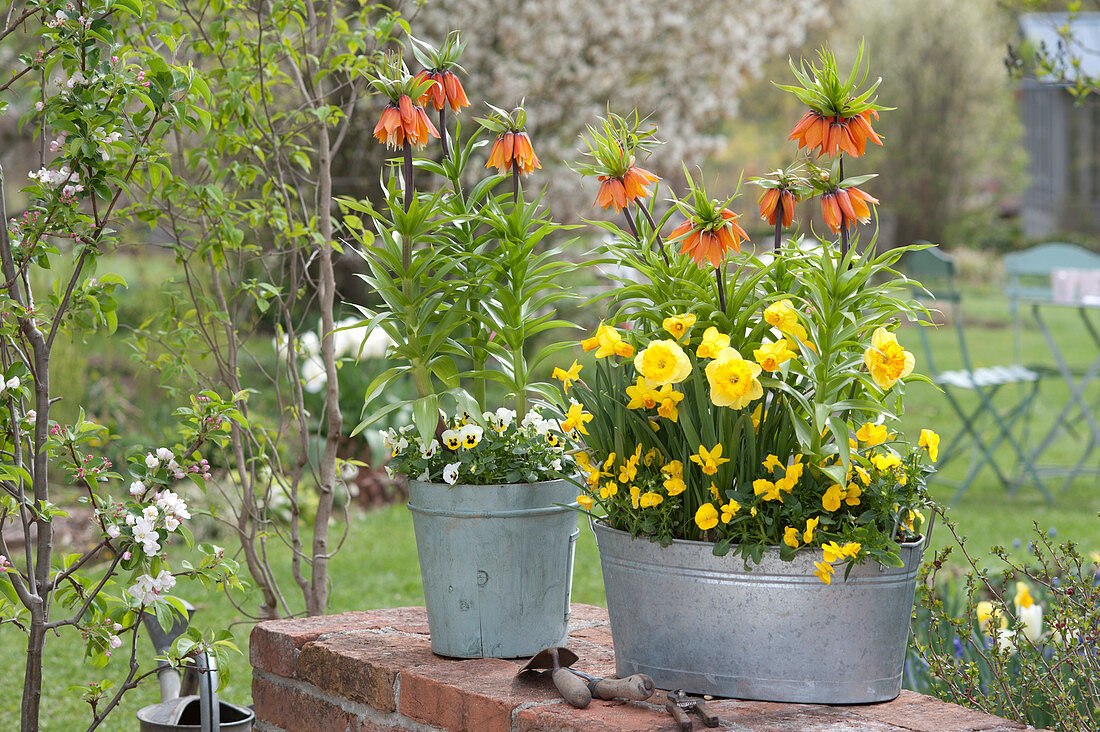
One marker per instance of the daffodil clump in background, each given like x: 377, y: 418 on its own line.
x: 748, y: 400
x: 507, y: 450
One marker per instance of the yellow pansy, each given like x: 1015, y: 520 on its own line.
x: 851, y: 549
x: 714, y: 491
x: 706, y: 517
x: 575, y: 418
x: 635, y: 495
x: 641, y: 396
x: 652, y: 457
x: 837, y: 493
x: 771, y: 356
x: 824, y: 572
x: 585, y: 502
x: 790, y: 537
x: 833, y: 552
x: 662, y: 362
x: 668, y: 399
x: 709, y: 460
x: 886, y: 360
x: 733, y: 381
x: 713, y: 343
x: 679, y: 325
x: 769, y: 490
x: 772, y: 462
x: 607, y: 342
x: 609, y: 489
x: 553, y: 440
x: 872, y: 434
x: 884, y: 462
x: 650, y: 499
x: 567, y: 376
x: 675, y: 486
x: 608, y: 463
x: 674, y: 469
x: 730, y: 510
x: 930, y: 441
x: 808, y: 533
x: 794, y: 470
x: 628, y: 472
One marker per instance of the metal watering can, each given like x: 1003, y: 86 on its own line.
x: 180, y: 707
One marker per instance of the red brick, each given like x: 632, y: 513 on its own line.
x: 296, y: 711
x: 476, y: 695
x: 920, y: 713
x: 362, y: 666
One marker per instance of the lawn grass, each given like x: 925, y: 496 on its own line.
x: 377, y: 565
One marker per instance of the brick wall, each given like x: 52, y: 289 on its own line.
x: 375, y: 672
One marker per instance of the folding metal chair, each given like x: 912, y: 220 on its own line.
x: 991, y: 422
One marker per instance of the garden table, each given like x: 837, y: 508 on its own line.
x: 1088, y: 310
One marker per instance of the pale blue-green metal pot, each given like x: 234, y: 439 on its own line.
x: 775, y: 632
x: 497, y: 565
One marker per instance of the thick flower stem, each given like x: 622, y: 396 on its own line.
x: 630, y: 224
x: 408, y: 171
x: 443, y: 132
x: 656, y: 234
x: 515, y: 182
x: 778, y: 224
x: 843, y: 221
x: 721, y: 282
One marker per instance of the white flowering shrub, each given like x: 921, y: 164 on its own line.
x: 507, y: 450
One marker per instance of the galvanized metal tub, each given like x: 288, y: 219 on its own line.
x: 497, y: 565
x: 705, y: 624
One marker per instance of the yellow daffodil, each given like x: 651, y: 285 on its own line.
x: 706, y: 517
x: 872, y: 434
x: 930, y: 441
x: 585, y: 502
x: 771, y: 356
x: 575, y: 418
x: 756, y: 413
x: 583, y: 461
x: 679, y: 325
x: 1023, y: 595
x: 709, y: 460
x: 824, y: 572
x: 790, y: 537
x: 808, y: 533
x: 769, y: 490
x: 886, y: 360
x: 733, y: 381
x: 650, y: 499
x: 607, y: 342
x: 567, y: 376
x: 772, y: 462
x: 730, y: 510
x: 713, y: 343
x: 668, y: 401
x: 653, y: 425
x: 641, y: 396
x: 783, y: 317
x: 990, y: 616
x: 662, y: 362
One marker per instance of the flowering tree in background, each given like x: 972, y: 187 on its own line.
x: 683, y: 64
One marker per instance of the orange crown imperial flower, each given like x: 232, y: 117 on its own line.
x: 621, y: 190
x: 444, y: 86
x: 513, y: 145
x: 404, y: 121
x: 851, y: 202
x: 839, y: 118
x: 446, y: 89
x: 710, y: 245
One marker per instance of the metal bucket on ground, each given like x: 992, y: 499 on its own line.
x: 774, y: 632
x: 496, y: 562
x: 185, y: 713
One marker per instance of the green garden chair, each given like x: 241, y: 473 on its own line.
x: 993, y: 419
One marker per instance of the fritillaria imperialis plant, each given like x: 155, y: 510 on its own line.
x: 750, y: 400
x: 467, y: 282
